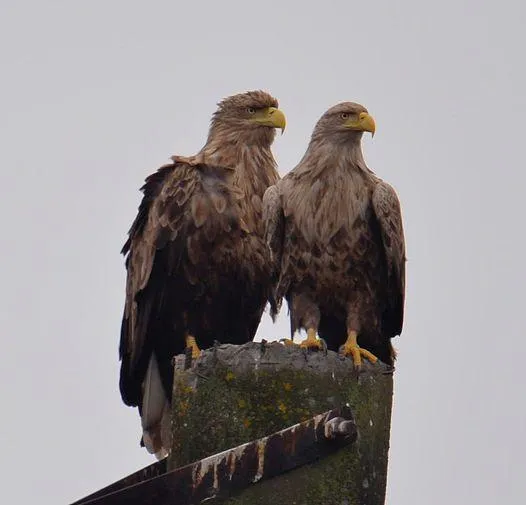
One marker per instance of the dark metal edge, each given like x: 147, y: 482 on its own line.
x: 233, y: 469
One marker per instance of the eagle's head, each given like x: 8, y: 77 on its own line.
x: 345, y: 122
x: 250, y: 117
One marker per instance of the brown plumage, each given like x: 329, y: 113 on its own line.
x: 337, y: 242
x: 197, y: 262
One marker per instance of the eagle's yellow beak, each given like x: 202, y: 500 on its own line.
x: 365, y: 123
x: 270, y: 117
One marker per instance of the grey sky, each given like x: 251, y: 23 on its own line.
x: 96, y: 95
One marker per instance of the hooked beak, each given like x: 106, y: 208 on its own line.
x: 365, y: 123
x: 271, y: 116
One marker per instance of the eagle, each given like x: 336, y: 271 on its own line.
x: 198, y: 267
x: 337, y: 244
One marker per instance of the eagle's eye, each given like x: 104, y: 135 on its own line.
x: 251, y: 110
x: 344, y: 115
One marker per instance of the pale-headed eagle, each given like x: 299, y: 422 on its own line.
x: 337, y: 242
x: 197, y: 262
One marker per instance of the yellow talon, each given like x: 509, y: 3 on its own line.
x: 288, y: 342
x: 351, y: 348
x: 192, y: 344
x: 312, y: 341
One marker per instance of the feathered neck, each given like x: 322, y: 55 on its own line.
x: 328, y: 154
x: 331, y: 190
x: 253, y: 168
x: 227, y: 146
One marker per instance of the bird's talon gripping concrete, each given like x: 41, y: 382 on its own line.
x: 351, y: 348
x: 312, y: 341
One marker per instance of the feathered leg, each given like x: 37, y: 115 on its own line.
x: 354, y: 326
x: 306, y: 314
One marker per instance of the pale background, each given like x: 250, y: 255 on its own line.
x: 95, y: 95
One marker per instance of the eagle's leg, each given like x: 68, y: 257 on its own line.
x: 305, y: 313
x: 312, y: 341
x: 351, y: 348
x: 192, y: 344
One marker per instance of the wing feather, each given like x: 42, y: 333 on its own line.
x: 200, y: 210
x: 154, y: 243
x: 388, y: 213
x: 274, y: 220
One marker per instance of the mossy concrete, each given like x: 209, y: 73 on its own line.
x: 235, y: 394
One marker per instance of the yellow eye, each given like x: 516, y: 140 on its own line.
x: 344, y: 115
x: 251, y: 110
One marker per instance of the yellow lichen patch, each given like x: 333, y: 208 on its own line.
x: 184, y: 389
x: 287, y: 386
x: 282, y: 407
x: 241, y: 403
x: 229, y: 376
x: 183, y: 406
x: 246, y: 423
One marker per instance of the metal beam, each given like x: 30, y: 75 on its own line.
x: 221, y: 474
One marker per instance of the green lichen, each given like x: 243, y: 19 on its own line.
x: 228, y: 408
x: 355, y: 475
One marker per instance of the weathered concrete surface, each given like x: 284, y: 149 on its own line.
x: 235, y: 394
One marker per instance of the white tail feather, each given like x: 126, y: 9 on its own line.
x: 155, y: 412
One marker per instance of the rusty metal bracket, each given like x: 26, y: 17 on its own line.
x: 233, y: 469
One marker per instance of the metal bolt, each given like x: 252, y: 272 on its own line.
x: 338, y: 427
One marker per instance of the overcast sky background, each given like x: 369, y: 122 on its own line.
x: 95, y: 95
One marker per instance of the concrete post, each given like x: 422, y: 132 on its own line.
x: 236, y: 394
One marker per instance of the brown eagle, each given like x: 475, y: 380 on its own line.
x: 197, y: 262
x: 337, y: 242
